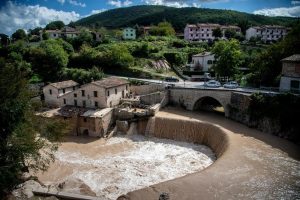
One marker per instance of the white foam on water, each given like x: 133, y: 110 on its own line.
x: 151, y: 161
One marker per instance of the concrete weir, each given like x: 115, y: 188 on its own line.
x: 250, y: 164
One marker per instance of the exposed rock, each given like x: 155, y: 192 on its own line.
x: 159, y: 65
x: 24, y: 190
x: 75, y: 186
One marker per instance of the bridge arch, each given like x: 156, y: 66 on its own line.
x: 209, y: 103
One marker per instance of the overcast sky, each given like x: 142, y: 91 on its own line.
x: 28, y: 14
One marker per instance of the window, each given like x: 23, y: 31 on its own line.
x: 209, y: 62
x: 108, y: 93
x: 295, y: 84
x: 83, y: 93
x: 65, y: 101
x: 64, y: 90
x: 207, y: 35
x: 191, y: 35
x: 84, y: 119
x: 95, y: 94
x: 207, y: 29
x: 202, y: 35
x: 96, y: 103
x: 83, y: 103
x: 131, y: 34
x: 75, y: 102
x: 75, y: 95
x: 73, y: 87
x: 50, y: 91
x: 116, y: 90
x: 202, y: 29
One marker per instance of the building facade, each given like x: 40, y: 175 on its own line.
x: 204, y: 32
x: 53, y: 91
x: 267, y: 33
x: 290, y: 76
x: 200, y: 66
x: 129, y: 33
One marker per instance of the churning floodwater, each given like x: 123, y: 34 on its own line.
x: 125, y: 163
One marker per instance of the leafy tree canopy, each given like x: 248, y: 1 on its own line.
x: 23, y: 136
x: 228, y: 57
x: 19, y: 35
x: 55, y: 25
x: 217, y: 33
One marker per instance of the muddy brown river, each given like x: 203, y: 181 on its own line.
x: 110, y: 168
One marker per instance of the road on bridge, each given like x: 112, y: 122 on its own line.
x: 199, y: 85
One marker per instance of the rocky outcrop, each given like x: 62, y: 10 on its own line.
x: 159, y: 65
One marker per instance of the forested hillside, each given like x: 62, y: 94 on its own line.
x: 179, y: 17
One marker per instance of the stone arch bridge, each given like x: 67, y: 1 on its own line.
x: 189, y: 97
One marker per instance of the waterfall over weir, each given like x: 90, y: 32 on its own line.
x: 192, y: 131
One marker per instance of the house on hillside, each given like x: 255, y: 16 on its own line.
x: 129, y: 33
x: 204, y: 32
x: 69, y: 32
x: 200, y: 65
x: 53, y: 91
x: 290, y: 76
x: 267, y: 33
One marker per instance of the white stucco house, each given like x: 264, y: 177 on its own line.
x: 267, y: 32
x: 129, y: 33
x: 53, y: 91
x: 200, y: 66
x: 98, y: 94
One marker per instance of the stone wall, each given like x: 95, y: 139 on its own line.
x: 190, y: 131
x: 188, y: 97
x: 152, y: 98
x: 146, y: 89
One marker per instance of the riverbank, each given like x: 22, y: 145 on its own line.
x: 255, y: 165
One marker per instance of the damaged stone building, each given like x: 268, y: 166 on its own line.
x: 93, y: 108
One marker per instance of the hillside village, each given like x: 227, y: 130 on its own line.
x: 149, y: 101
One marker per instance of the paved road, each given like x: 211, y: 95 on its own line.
x: 200, y: 85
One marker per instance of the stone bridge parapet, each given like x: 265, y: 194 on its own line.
x: 187, y: 97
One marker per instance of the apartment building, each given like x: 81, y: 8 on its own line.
x: 204, y: 32
x: 267, y: 32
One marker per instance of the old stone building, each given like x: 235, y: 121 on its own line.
x: 98, y: 94
x: 53, y: 91
x: 290, y: 76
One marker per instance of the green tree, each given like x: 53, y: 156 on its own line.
x: 82, y: 76
x: 229, y: 33
x: 35, y: 31
x: 176, y: 58
x: 23, y: 136
x: 48, y: 59
x: 4, y: 39
x: 19, y: 35
x: 217, y: 33
x: 228, y: 56
x: 163, y: 29
x: 55, y: 25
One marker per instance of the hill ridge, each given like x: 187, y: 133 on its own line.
x: 179, y: 17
